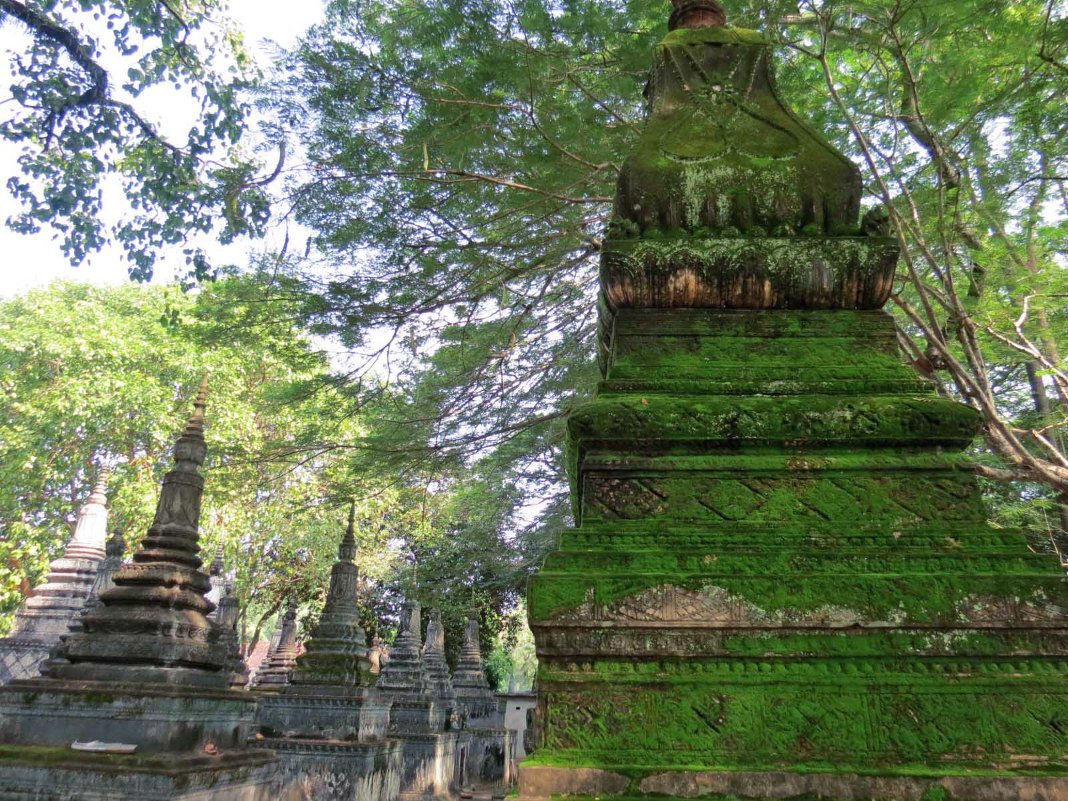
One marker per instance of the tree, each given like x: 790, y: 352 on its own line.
x: 462, y: 157
x: 958, y: 119
x: 80, y: 110
x: 95, y: 377
x: 99, y: 377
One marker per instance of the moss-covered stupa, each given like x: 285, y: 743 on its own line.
x: 782, y: 581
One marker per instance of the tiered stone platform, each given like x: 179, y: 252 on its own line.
x: 785, y: 564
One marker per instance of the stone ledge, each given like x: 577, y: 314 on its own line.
x: 544, y: 782
x: 161, y: 764
x: 750, y: 273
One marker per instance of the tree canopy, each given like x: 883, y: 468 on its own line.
x: 87, y: 82
x: 98, y: 378
x: 455, y: 162
x: 462, y: 156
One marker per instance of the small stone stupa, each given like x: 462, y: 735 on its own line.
x: 418, y: 718
x: 491, y: 754
x: 114, y: 551
x: 473, y: 694
x: 328, y: 724
x: 329, y: 693
x: 403, y: 678
x: 226, y: 618
x: 47, y: 613
x: 138, y: 706
x: 279, y: 663
x: 439, y: 681
x: 782, y: 582
x: 218, y: 582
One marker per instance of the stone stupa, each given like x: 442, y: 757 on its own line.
x: 492, y: 746
x: 439, y: 680
x: 47, y: 613
x: 418, y: 716
x: 279, y: 663
x: 329, y: 693
x: 782, y: 581
x: 137, y: 703
x: 328, y: 724
x: 473, y: 694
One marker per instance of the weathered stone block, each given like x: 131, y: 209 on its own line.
x: 326, y: 770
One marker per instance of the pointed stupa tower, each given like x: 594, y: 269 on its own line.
x: 782, y: 581
x: 329, y: 693
x: 279, y: 665
x: 47, y: 613
x: 404, y: 679
x: 152, y: 625
x: 226, y: 618
x: 404, y: 672
x: 473, y: 692
x: 419, y: 715
x: 145, y: 669
x: 336, y: 651
x: 114, y: 550
x: 437, y: 668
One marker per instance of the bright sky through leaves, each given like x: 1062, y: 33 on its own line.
x: 34, y: 261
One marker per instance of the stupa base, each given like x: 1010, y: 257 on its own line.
x: 432, y: 764
x: 177, y: 720
x: 300, y: 713
x: 538, y: 782
x: 334, y: 770
x: 59, y: 774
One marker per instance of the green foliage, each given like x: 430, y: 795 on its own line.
x: 103, y: 377
x: 465, y: 156
x: 79, y: 93
x: 511, y: 664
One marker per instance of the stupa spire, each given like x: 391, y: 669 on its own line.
x: 469, y: 679
x: 90, y: 532
x: 346, y: 552
x: 152, y: 626
x: 58, y: 601
x: 280, y: 665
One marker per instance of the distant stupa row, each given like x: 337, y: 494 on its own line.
x: 140, y: 693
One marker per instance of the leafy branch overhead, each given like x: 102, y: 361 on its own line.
x: 88, y: 87
x: 461, y: 155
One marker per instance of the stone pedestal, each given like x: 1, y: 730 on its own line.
x: 145, y: 669
x: 331, y: 770
x: 782, y: 581
x: 47, y: 613
x: 431, y: 764
x: 57, y: 774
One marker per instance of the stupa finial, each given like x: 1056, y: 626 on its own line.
x: 190, y: 450
x: 100, y: 491
x: 346, y: 552
x: 697, y: 14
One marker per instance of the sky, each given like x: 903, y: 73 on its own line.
x: 37, y: 260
